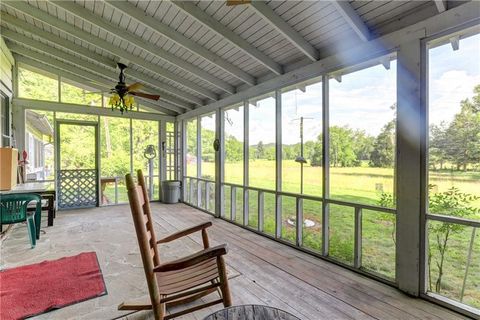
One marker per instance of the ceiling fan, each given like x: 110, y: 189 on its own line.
x: 122, y: 93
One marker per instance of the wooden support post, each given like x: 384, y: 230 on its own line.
x: 409, y: 168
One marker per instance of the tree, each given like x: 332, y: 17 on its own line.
x: 362, y: 145
x: 453, y: 203
x: 342, y: 152
x: 383, y: 153
x: 437, y: 152
x: 260, y: 153
x: 463, y: 134
x: 208, y: 153
x: 233, y: 149
x: 317, y: 153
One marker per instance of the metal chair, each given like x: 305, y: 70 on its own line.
x: 13, y: 209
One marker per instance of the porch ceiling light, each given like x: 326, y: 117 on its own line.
x: 122, y: 103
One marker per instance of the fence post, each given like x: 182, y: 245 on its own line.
x: 299, y: 221
x: 260, y: 210
x: 357, y: 260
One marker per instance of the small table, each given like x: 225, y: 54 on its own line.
x: 44, y: 189
x: 251, y: 312
x: 103, y: 183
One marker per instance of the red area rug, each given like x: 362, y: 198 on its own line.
x: 37, y: 288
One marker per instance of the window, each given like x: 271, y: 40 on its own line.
x: 362, y: 134
x: 362, y: 165
x: 33, y: 85
x: 39, y: 145
x: 453, y: 250
x: 170, y: 151
x: 74, y: 93
x: 302, y: 139
x: 191, y: 156
x: 234, y: 144
x: 115, y: 156
x: 4, y: 121
x: 261, y: 153
x: 145, y: 153
x: 207, y: 124
x: 142, y: 108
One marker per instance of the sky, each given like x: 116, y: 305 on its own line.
x: 362, y: 99
x: 452, y: 77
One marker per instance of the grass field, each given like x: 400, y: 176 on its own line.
x: 360, y: 185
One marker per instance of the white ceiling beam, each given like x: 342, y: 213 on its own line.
x: 353, y: 19
x: 441, y: 5
x: 80, y: 80
x: 84, y: 52
x: 160, y: 53
x: 455, y: 42
x: 208, y: 21
x: 71, y: 68
x: 385, y: 61
x: 149, y: 21
x: 78, y: 108
x: 285, y: 29
x: 16, y: 37
x: 107, y: 46
x: 30, y: 28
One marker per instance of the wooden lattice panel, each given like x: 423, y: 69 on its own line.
x: 77, y: 188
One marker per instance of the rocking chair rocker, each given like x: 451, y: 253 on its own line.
x: 180, y: 281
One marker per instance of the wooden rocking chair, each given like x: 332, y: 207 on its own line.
x: 180, y: 281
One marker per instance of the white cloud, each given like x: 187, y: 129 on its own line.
x: 448, y: 91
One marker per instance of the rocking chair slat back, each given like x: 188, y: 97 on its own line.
x: 144, y: 229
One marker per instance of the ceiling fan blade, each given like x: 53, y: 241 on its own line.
x: 134, y: 86
x: 145, y: 95
x: 237, y: 2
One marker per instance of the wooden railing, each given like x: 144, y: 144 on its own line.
x: 197, y: 193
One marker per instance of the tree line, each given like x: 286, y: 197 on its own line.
x: 348, y: 148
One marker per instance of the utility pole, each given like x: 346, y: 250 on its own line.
x: 301, y: 159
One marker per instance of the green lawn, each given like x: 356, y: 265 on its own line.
x: 361, y: 185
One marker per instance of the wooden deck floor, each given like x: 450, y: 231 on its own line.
x: 261, y: 271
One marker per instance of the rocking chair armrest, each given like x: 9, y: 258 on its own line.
x: 193, y: 259
x: 183, y: 233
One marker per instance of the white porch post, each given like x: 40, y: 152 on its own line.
x: 18, y: 122
x: 409, y: 168
x: 219, y: 163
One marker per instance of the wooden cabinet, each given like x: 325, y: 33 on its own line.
x: 8, y: 168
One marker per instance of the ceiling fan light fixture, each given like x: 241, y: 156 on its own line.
x: 123, y: 104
